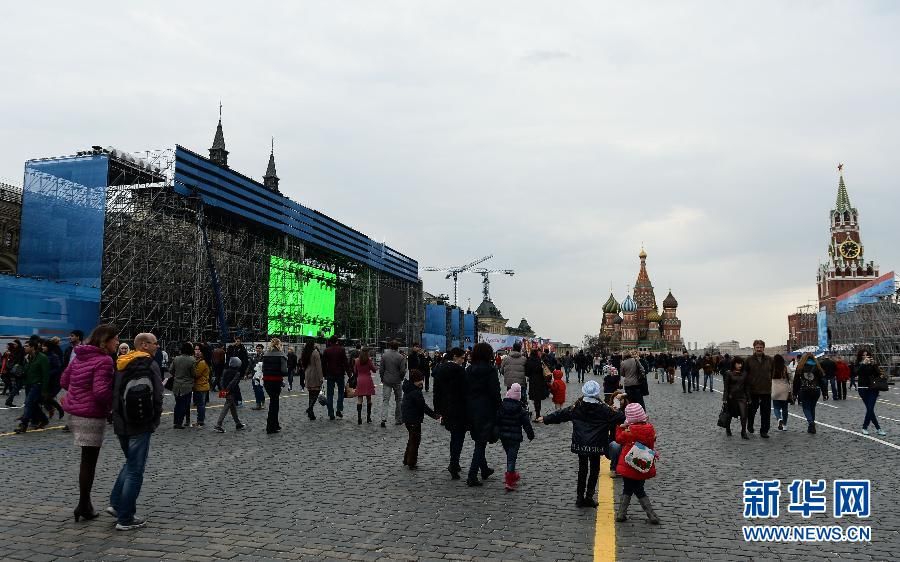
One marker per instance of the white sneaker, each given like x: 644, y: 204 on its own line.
x: 864, y: 431
x: 112, y: 511
x: 881, y: 432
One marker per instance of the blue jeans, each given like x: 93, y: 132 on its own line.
x: 200, y: 404
x: 182, y: 407
x: 780, y: 408
x: 613, y: 450
x: 329, y: 395
x: 512, y: 453
x: 260, y: 394
x: 33, y: 412
x: 808, y: 400
x: 127, y: 488
x: 708, y: 378
x: 869, y: 398
x: 834, y: 388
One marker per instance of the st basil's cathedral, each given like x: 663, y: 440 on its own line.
x: 637, y: 323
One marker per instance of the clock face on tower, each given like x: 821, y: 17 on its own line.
x: 849, y: 250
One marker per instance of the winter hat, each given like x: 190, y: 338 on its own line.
x: 591, y: 391
x: 515, y: 391
x: 416, y: 375
x: 234, y: 362
x: 634, y: 413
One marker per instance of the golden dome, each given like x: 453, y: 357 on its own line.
x: 643, y: 254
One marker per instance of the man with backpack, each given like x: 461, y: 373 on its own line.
x: 136, y: 409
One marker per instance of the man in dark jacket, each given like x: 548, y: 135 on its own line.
x: 450, y: 403
x: 134, y: 436
x: 335, y: 366
x: 238, y: 350
x: 75, y: 339
x: 37, y: 380
x: 759, y: 373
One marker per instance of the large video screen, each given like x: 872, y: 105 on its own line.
x: 301, y: 299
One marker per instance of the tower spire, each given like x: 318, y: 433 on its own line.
x: 270, y: 180
x: 217, y: 152
x: 843, y: 198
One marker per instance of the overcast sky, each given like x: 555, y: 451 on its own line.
x: 557, y: 137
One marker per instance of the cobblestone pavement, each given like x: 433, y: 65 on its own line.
x: 336, y: 490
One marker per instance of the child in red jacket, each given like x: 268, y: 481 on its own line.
x: 635, y: 471
x: 558, y: 389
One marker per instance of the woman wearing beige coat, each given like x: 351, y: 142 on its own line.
x: 311, y: 363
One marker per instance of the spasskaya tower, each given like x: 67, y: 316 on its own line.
x: 846, y: 267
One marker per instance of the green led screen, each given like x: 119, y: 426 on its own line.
x: 301, y: 299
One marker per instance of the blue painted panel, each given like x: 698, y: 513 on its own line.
x: 46, y: 308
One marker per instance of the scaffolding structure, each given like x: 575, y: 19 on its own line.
x: 155, y: 275
x: 876, y: 325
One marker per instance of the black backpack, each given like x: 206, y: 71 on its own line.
x: 137, y: 405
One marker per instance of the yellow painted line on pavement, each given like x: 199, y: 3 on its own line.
x: 605, y: 525
x: 214, y: 406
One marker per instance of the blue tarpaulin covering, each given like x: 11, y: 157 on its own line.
x: 63, y: 209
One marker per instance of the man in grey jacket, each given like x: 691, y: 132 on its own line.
x: 513, y: 369
x: 392, y: 372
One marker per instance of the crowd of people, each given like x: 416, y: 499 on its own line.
x: 110, y: 383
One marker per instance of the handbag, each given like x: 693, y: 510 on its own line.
x: 349, y: 392
x: 724, y: 416
x: 223, y: 393
x: 168, y: 383
x: 641, y: 458
x: 880, y: 382
x: 351, y: 382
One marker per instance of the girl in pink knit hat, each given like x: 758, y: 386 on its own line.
x: 637, y: 434
x: 512, y: 418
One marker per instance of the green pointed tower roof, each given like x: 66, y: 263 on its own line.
x: 843, y: 199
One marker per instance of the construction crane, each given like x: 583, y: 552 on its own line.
x: 453, y: 272
x: 486, y: 281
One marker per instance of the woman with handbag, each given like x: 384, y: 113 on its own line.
x: 363, y: 369
x: 311, y: 363
x: 781, y: 391
x: 809, y: 384
x: 870, y: 382
x: 736, y: 396
x: 88, y: 381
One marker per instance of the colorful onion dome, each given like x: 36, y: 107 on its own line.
x: 653, y: 316
x: 611, y: 306
x: 670, y: 301
x: 628, y: 305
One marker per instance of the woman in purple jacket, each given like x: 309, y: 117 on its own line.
x: 88, y: 381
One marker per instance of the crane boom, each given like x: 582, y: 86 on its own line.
x: 453, y: 272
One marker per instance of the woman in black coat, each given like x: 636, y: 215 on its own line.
x: 537, y: 385
x: 450, y: 403
x: 482, y: 403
